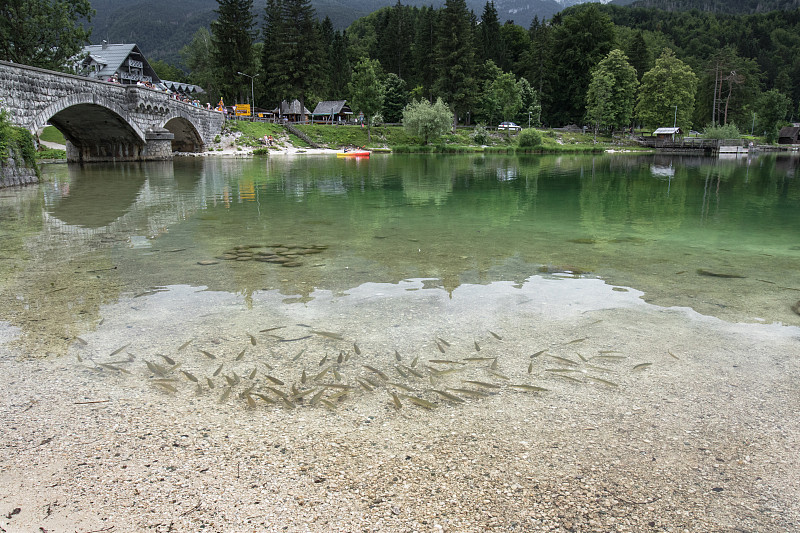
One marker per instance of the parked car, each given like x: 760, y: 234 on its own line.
x: 508, y: 126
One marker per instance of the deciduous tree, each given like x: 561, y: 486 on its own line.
x: 426, y: 120
x: 667, y: 93
x: 772, y: 109
x: 366, y: 90
x: 612, y: 92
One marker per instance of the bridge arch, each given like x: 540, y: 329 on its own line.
x: 187, y: 136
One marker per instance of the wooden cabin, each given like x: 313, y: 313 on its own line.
x: 789, y: 135
x: 332, y: 112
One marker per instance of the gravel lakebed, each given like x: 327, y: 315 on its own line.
x: 667, y: 420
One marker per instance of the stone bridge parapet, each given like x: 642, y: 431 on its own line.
x: 105, y: 121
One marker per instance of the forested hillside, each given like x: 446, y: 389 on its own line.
x: 730, y: 7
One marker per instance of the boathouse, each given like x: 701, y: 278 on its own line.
x: 667, y: 134
x: 333, y: 111
x: 789, y: 135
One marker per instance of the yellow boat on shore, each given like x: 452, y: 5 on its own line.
x: 354, y: 153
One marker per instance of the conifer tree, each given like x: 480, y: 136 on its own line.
x: 489, y: 45
x: 298, y: 55
x: 455, y: 81
x: 232, y: 37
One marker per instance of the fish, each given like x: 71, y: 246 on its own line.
x: 81, y: 341
x: 441, y: 348
x: 252, y: 373
x: 437, y: 372
x: 641, y: 366
x: 323, y: 360
x: 472, y: 359
x: 300, y: 353
x: 340, y: 359
x: 166, y: 386
x: 189, y: 376
x: 609, y: 351
x: 563, y: 360
x: 264, y: 397
x: 269, y: 367
x: 498, y: 374
x: 279, y: 393
x: 225, y: 394
x: 336, y: 375
x: 603, y: 381
x: 380, y: 374
x: 482, y: 384
x: 470, y: 392
x: 273, y: 379
x: 447, y: 396
x: 241, y: 354
x: 396, y: 401
x: 400, y: 386
x: 599, y: 368
x: 252, y: 339
x: 303, y: 377
x: 218, y: 370
x: 236, y: 377
x: 346, y: 357
x: 414, y: 362
x: 321, y: 374
x: 573, y: 341
x: 443, y: 341
x: 270, y: 329
x: 420, y: 401
x: 338, y: 396
x: 495, y: 335
x: 400, y: 371
x: 156, y: 368
x: 330, y: 405
x: 561, y: 370
x: 581, y: 357
x: 251, y: 403
x: 397, y: 356
x: 531, y: 388
x: 673, y: 355
x: 185, y: 344
x: 169, y: 360
x: 207, y: 354
x: 570, y: 378
x: 537, y: 354
x: 445, y: 362
x: 328, y: 334
x: 115, y: 352
x: 366, y: 386
x: 288, y: 403
x: 210, y: 383
x: 373, y: 383
x: 112, y: 367
x: 230, y: 380
x: 281, y: 339
x: 356, y: 349
x: 477, y: 346
x: 530, y: 368
x: 493, y: 366
x: 198, y: 390
x: 316, y: 398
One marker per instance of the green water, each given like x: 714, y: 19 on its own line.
x: 89, y: 236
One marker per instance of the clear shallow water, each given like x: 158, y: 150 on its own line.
x: 101, y: 234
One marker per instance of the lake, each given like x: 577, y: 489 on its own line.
x: 405, y: 343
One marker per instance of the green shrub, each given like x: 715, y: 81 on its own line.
x: 261, y: 151
x: 480, y: 136
x: 728, y: 131
x: 529, y: 138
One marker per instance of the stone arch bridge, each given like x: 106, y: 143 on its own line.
x: 103, y: 121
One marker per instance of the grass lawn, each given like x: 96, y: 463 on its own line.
x: 51, y: 134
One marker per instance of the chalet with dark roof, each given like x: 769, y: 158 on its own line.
x: 291, y: 111
x: 124, y: 63
x: 789, y: 135
x: 332, y: 111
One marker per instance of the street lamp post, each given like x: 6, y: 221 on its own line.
x: 252, y: 93
x: 675, y: 122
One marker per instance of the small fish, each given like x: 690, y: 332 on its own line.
x: 185, y: 344
x: 497, y: 374
x: 582, y: 357
x: 339, y: 396
x: 447, y: 396
x: 477, y: 346
x: 437, y: 372
x: 321, y: 374
x: 482, y: 384
x: 495, y: 335
x: 112, y: 367
x: 478, y: 359
x: 564, y: 360
x: 288, y: 403
x: 599, y: 368
x: 218, y: 370
x: 189, y: 376
x: 609, y: 351
x: 264, y: 397
x: 80, y: 359
x: 81, y: 341
x: 156, y: 369
x: 169, y: 360
x: 641, y: 366
x: 115, y: 352
x: 303, y: 377
x: 531, y: 388
x: 470, y: 392
x: 356, y: 349
x: 537, y: 354
x: 316, y: 398
x: 269, y: 367
x: 271, y: 329
x: 400, y: 371
x: 340, y: 359
x: 198, y: 390
x: 252, y: 373
x: 225, y: 395
x: 236, y: 378
x: 241, y: 354
x: 366, y: 386
x: 281, y: 339
x: 443, y: 341
x: 207, y: 354
x: 323, y: 360
x: 603, y: 381
x: 441, y: 348
x: 400, y: 386
x: 328, y: 334
x: 210, y: 383
x: 561, y: 370
x: 673, y: 355
x: 570, y: 378
x: 396, y: 400
x: 420, y: 401
x: 530, y: 368
x: 336, y: 375
x: 273, y: 379
x: 574, y: 341
x: 300, y: 353
x: 414, y: 362
x: 252, y: 339
x: 337, y: 386
x: 166, y: 386
x: 493, y: 366
x: 416, y: 373
x: 445, y: 362
x: 230, y: 380
x: 397, y: 356
x: 330, y: 405
x: 380, y: 374
x: 346, y: 357
x: 251, y: 403
x: 279, y: 393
